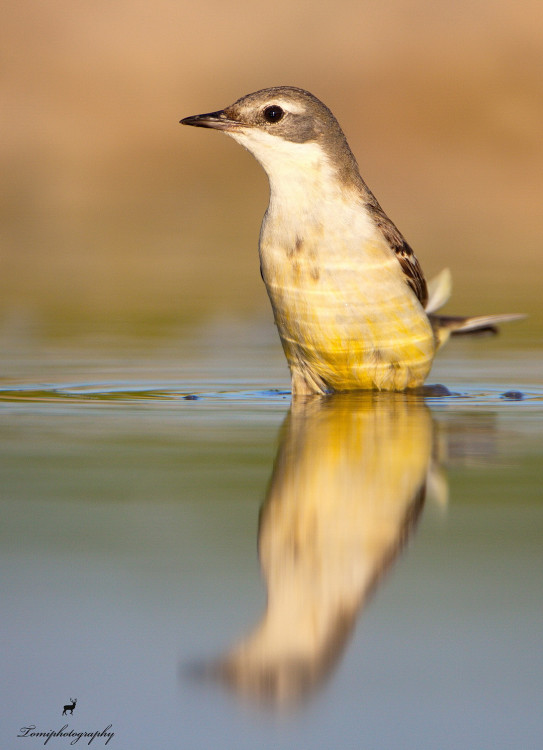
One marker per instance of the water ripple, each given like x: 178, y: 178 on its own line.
x: 439, y: 396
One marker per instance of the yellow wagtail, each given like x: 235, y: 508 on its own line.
x: 349, y: 297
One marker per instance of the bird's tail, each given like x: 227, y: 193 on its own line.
x: 455, y: 325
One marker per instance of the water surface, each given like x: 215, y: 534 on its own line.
x: 202, y: 565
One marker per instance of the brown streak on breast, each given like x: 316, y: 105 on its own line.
x: 298, y: 245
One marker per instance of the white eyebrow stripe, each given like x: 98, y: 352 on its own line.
x: 287, y: 104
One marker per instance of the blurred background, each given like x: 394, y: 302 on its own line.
x: 114, y: 218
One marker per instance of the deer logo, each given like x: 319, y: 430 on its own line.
x: 70, y: 707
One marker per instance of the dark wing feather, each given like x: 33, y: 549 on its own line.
x: 404, y: 253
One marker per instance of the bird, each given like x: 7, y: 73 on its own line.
x: 350, y: 300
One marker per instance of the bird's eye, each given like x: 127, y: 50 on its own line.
x: 273, y: 113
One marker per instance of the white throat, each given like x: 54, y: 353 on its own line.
x: 301, y: 175
x: 305, y: 189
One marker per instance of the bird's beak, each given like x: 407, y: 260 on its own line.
x: 217, y: 120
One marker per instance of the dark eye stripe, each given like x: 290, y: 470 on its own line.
x: 273, y: 113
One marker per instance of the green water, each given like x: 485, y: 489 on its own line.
x: 397, y: 601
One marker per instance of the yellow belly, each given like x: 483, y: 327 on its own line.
x: 344, y: 330
x: 349, y: 367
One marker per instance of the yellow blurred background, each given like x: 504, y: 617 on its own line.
x: 112, y: 214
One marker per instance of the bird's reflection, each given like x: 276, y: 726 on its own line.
x: 346, y: 491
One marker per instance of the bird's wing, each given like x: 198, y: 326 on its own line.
x: 404, y: 253
x: 412, y: 272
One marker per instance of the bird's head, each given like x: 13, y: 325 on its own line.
x: 284, y: 127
